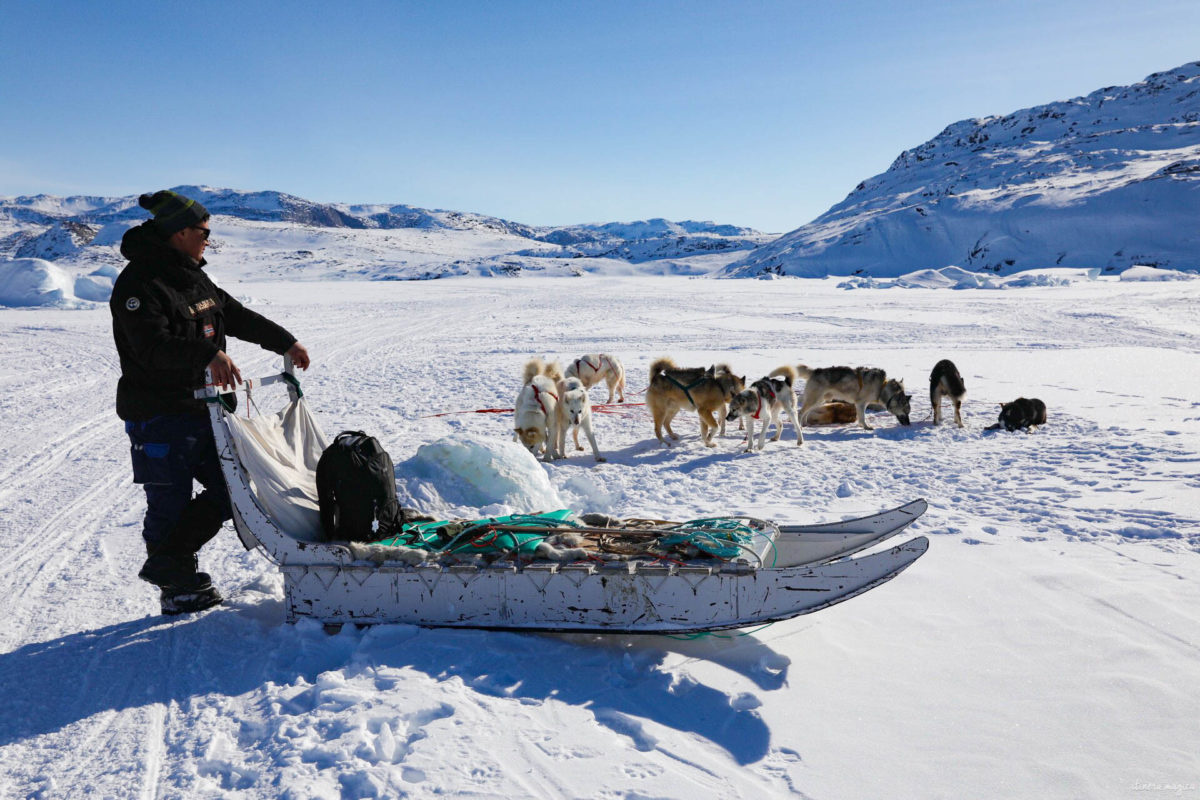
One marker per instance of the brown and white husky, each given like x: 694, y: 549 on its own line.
x: 706, y: 390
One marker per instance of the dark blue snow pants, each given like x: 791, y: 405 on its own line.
x: 169, y: 452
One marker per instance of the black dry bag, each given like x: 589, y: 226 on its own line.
x: 356, y: 486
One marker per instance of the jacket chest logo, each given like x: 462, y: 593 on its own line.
x: 201, y: 306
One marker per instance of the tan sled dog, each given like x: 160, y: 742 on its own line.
x: 706, y: 390
x: 858, y: 385
x: 596, y: 366
x: 536, y: 415
x: 838, y: 413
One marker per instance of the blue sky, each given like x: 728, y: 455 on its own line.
x: 759, y: 113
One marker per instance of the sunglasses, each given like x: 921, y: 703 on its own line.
x: 205, y: 232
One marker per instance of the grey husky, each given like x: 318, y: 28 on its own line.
x: 772, y: 395
x: 945, y: 381
x: 861, y: 386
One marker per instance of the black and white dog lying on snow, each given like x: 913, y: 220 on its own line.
x: 1023, y: 413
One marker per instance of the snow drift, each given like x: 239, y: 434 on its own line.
x: 35, y: 282
x: 460, y: 472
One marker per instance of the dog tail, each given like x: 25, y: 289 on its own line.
x: 533, y: 368
x: 666, y: 362
x: 787, y: 372
x: 552, y: 371
x: 803, y: 371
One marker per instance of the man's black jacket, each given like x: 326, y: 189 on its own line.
x: 169, y: 321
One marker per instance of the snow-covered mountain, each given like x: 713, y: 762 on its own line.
x: 278, y: 233
x: 1108, y: 180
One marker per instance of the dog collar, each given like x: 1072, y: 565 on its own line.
x: 891, y: 396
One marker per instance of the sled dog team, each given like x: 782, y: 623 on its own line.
x: 552, y: 403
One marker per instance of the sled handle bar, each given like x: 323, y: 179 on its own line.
x: 288, y: 376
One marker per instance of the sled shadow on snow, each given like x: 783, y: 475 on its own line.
x: 239, y: 649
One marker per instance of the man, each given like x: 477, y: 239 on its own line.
x: 170, y: 322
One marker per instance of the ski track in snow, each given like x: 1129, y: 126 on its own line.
x: 103, y: 698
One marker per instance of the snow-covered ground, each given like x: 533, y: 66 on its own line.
x: 1048, y: 645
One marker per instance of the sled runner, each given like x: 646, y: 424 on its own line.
x: 545, y: 572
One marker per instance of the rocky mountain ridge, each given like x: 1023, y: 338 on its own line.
x: 1107, y: 180
x: 53, y: 228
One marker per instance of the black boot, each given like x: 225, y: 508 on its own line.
x: 172, y: 562
x: 180, y: 601
x: 171, y: 572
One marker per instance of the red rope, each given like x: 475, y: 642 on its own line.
x: 613, y: 408
x: 470, y: 411
x: 604, y: 408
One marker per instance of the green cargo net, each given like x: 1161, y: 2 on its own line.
x: 464, y: 537
x: 725, y: 538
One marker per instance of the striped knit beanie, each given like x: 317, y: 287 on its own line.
x: 173, y: 212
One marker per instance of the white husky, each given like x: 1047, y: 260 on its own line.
x: 575, y: 412
x: 772, y: 395
x: 536, y: 415
x: 594, y: 366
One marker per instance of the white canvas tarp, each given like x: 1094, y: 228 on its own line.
x: 279, y: 453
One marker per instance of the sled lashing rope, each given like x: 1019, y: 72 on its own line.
x: 723, y: 538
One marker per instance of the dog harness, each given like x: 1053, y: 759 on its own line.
x: 686, y: 389
x: 537, y: 395
x: 766, y: 385
x: 583, y: 360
